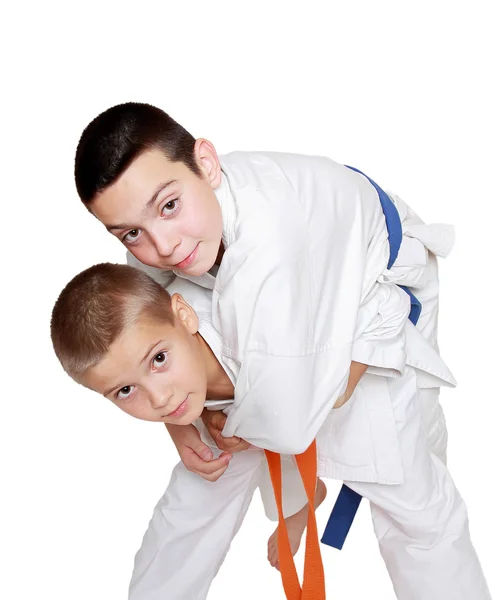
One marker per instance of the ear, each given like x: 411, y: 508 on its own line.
x: 185, y: 314
x: 207, y: 159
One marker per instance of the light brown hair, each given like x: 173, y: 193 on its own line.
x: 96, y: 306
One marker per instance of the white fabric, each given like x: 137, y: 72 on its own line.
x: 421, y: 524
x: 194, y: 523
x: 287, y: 334
x: 308, y: 238
x: 379, y: 337
x: 298, y: 330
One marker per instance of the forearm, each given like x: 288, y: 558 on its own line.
x: 172, y: 429
x: 180, y: 433
x: 357, y: 369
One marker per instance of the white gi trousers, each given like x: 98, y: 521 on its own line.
x: 421, y: 524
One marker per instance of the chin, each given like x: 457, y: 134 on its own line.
x: 203, y: 263
x: 196, y: 272
x: 199, y: 268
x: 191, y: 417
x: 188, y: 418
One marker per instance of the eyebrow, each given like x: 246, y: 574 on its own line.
x: 150, y: 350
x: 145, y: 356
x: 147, y: 206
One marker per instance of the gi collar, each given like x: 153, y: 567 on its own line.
x: 227, y: 203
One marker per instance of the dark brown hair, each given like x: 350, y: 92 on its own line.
x: 116, y: 137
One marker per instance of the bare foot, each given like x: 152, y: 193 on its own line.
x: 295, y: 525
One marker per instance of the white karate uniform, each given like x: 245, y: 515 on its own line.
x: 293, y: 228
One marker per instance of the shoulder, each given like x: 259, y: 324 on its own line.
x: 258, y: 162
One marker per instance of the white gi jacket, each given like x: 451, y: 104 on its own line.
x: 302, y: 290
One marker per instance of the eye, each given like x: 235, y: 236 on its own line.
x: 131, y: 236
x: 125, y: 392
x: 170, y: 207
x: 159, y: 360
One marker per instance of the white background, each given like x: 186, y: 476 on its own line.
x: 407, y: 92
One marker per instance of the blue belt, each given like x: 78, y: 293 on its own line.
x: 348, y: 501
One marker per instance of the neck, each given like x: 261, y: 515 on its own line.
x: 219, y: 386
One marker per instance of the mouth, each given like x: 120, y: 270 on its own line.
x: 179, y: 411
x: 183, y: 264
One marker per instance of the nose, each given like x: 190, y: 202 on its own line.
x: 164, y: 241
x: 160, y: 396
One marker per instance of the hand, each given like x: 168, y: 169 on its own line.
x: 357, y: 369
x: 342, y: 400
x: 195, y: 454
x: 214, y: 421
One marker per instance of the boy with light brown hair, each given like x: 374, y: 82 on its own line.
x: 119, y: 333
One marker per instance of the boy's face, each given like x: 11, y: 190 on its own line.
x: 155, y: 371
x: 167, y: 216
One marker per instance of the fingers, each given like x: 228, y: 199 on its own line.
x: 207, y: 468
x: 214, y: 422
x: 213, y: 419
x: 243, y: 445
x: 227, y: 442
x: 218, y: 471
x: 218, y: 420
x: 202, y: 450
x: 214, y: 476
x: 231, y: 444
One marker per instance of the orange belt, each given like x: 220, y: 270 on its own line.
x: 313, y: 575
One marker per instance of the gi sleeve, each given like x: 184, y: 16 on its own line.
x: 285, y: 400
x: 380, y: 331
x: 290, y: 311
